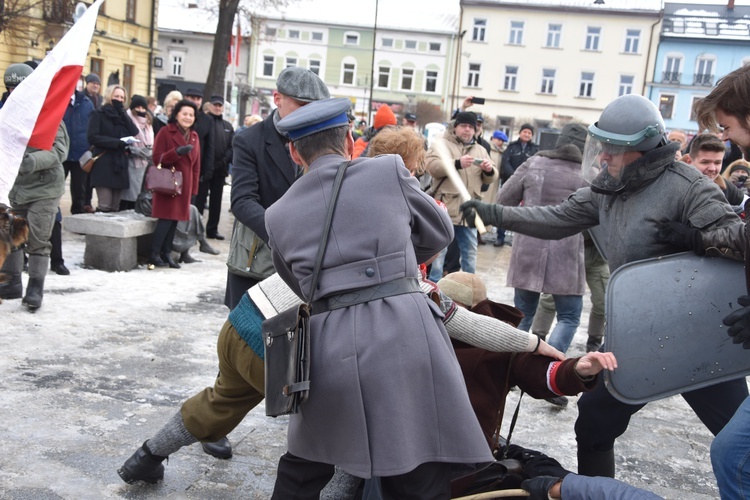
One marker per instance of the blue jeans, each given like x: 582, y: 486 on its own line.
x: 568, y: 307
x: 466, y: 237
x: 730, y: 455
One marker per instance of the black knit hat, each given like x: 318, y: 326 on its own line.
x: 466, y: 117
x: 526, y: 126
x: 138, y: 100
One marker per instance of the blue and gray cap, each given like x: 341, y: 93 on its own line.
x: 315, y: 117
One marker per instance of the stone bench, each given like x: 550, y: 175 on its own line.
x: 112, y: 239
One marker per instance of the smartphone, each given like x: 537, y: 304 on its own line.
x: 477, y: 100
x: 478, y: 161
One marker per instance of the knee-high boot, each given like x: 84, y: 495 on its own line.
x: 38, y: 265
x: 12, y: 269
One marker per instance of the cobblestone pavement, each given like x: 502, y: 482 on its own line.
x: 110, y: 357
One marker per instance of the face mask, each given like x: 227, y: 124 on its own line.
x: 142, y: 114
x: 117, y: 105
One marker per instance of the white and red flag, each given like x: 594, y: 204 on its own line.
x: 33, y: 111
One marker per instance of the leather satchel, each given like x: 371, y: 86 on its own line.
x: 287, y: 338
x: 88, y: 159
x: 164, y: 180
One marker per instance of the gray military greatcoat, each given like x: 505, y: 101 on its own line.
x: 386, y: 391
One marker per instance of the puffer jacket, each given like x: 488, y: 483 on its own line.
x: 41, y: 175
x: 473, y: 177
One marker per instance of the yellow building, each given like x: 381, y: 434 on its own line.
x: 122, y: 46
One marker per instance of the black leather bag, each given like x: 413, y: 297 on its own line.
x: 286, y: 337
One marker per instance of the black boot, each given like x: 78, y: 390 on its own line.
x: 167, y: 257
x: 205, y: 247
x: 142, y: 466
x: 220, y: 449
x: 596, y: 463
x: 38, y: 265
x: 12, y: 268
x: 186, y: 258
x: 56, y: 255
x: 155, y: 261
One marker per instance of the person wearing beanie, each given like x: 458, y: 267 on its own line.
x: 384, y: 117
x: 139, y: 153
x: 474, y: 168
x: 93, y: 87
x: 518, y: 151
x: 549, y: 266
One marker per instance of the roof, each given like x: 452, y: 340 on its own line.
x: 683, y: 20
x: 628, y: 6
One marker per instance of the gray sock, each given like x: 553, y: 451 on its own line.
x: 171, y: 437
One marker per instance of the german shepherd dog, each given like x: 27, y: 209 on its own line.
x: 13, y: 233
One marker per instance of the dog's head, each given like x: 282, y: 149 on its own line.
x: 14, y: 232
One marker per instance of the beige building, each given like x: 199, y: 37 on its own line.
x: 549, y: 62
x: 122, y: 44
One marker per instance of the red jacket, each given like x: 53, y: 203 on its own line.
x: 166, y: 142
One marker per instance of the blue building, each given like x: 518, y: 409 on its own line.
x: 698, y: 45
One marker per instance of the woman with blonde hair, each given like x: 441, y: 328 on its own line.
x: 107, y: 126
x: 162, y: 118
x: 405, y: 140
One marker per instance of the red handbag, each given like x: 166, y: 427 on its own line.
x: 164, y: 180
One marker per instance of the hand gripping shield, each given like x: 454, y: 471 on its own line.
x: 664, y: 326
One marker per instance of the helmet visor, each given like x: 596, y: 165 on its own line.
x: 603, y: 164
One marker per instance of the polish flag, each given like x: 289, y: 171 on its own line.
x: 233, y: 56
x: 34, y: 110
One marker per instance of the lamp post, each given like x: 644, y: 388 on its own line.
x: 372, y: 67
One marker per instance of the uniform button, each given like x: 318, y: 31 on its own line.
x: 370, y: 272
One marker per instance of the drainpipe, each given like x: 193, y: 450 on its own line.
x: 648, y: 55
x: 151, y: 49
x: 458, y: 57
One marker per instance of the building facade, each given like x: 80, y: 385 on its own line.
x: 699, y: 43
x: 552, y: 62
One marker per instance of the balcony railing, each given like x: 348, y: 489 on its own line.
x: 59, y: 11
x: 670, y: 77
x: 704, y: 80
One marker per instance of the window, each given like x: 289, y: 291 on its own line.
x: 384, y: 77
x: 704, y: 71
x: 410, y: 44
x: 434, y: 46
x: 511, y: 76
x: 430, y: 84
x: 127, y: 78
x: 290, y: 61
x: 587, y: 84
x: 666, y: 105
x: 294, y: 34
x: 347, y: 73
x: 548, y: 81
x: 672, y: 65
x: 474, y: 71
x: 477, y: 34
x: 177, y: 62
x: 516, y: 33
x: 632, y: 37
x: 553, y: 35
x: 387, y: 42
x: 505, y: 124
x: 592, y: 37
x: 130, y: 12
x: 97, y: 65
x: 626, y: 85
x: 314, y: 66
x: 270, y: 31
x: 407, y: 79
x: 351, y: 38
x: 267, y: 65
x: 316, y: 36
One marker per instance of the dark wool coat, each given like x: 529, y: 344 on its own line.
x: 549, y: 266
x: 167, y: 140
x: 386, y: 391
x: 77, y: 122
x: 106, y: 126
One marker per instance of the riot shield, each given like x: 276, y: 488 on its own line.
x: 664, y: 326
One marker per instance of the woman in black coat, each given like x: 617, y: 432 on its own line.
x: 107, y: 127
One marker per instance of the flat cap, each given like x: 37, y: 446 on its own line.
x: 464, y: 288
x: 410, y: 117
x: 315, y: 117
x: 217, y: 99
x: 301, y: 84
x: 193, y: 92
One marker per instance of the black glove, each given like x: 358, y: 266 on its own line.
x: 739, y: 323
x: 679, y: 235
x: 538, y: 487
x: 183, y: 150
x: 489, y: 213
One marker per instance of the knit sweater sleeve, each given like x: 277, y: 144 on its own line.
x: 488, y: 333
x: 278, y: 293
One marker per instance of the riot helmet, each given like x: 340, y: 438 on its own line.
x: 630, y: 123
x: 15, y: 74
